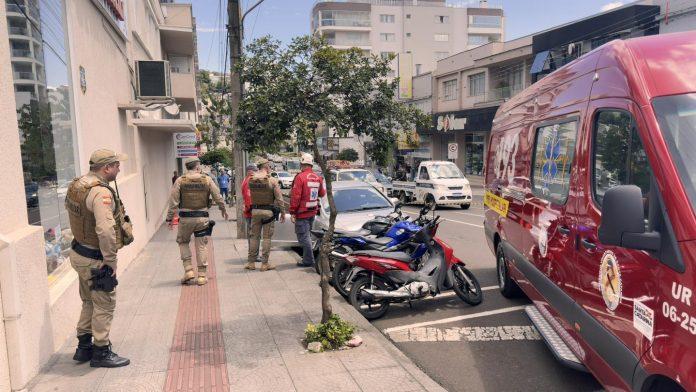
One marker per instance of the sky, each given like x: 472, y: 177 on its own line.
x: 285, y: 19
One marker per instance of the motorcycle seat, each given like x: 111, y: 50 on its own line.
x: 378, y: 240
x: 346, y: 233
x: 401, y: 256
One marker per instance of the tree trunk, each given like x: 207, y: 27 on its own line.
x: 324, y: 250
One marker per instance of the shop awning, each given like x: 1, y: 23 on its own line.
x: 165, y: 125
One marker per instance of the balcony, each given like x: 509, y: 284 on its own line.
x: 26, y: 75
x: 504, y: 93
x: 184, y: 90
x: 18, y: 30
x: 177, y: 30
x: 22, y: 53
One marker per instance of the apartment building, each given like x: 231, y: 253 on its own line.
x: 67, y: 75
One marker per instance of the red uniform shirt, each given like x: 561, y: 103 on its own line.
x: 246, y: 194
x: 307, y: 188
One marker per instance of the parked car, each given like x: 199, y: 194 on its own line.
x: 357, y: 175
x: 436, y: 183
x: 284, y: 178
x: 590, y: 209
x: 385, y: 181
x: 356, y: 203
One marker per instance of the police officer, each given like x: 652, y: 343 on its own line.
x: 266, y: 205
x: 191, y: 194
x: 100, y: 228
x: 307, y: 188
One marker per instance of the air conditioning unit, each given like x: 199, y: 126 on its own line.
x: 152, y: 79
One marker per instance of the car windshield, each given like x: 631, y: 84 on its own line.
x: 283, y: 174
x: 676, y: 115
x: 445, y: 170
x: 359, y: 199
x: 356, y: 175
x: 292, y: 165
x: 381, y: 177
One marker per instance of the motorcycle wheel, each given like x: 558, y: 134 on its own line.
x: 466, y: 286
x: 338, y: 277
x: 370, y: 311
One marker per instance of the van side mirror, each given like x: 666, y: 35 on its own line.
x: 622, y: 220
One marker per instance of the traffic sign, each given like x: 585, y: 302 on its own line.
x: 452, y: 150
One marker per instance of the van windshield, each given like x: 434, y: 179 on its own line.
x: 445, y: 171
x: 676, y: 115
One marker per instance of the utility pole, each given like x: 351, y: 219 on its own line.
x: 234, y: 29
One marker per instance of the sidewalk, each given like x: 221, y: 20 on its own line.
x: 241, y: 332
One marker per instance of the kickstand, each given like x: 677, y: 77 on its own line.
x: 410, y: 304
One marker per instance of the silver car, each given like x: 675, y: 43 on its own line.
x: 356, y: 203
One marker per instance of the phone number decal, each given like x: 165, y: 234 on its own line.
x: 685, y: 320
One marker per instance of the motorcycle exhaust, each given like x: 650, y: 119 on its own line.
x: 384, y: 294
x: 336, y: 254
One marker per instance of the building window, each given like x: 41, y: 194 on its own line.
x: 441, y: 19
x: 345, y: 18
x: 477, y: 84
x: 418, y: 68
x: 485, y: 21
x: 441, y: 55
x: 386, y: 55
x: 180, y: 64
x: 45, y: 115
x: 384, y: 18
x: 554, y: 151
x: 449, y: 90
x: 408, y: 35
x: 408, y: 16
x: 476, y: 39
x: 387, y: 37
x: 441, y: 37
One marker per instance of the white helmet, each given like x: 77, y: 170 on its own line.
x: 306, y: 159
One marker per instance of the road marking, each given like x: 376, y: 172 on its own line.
x: 455, y: 221
x: 453, y: 319
x: 466, y: 334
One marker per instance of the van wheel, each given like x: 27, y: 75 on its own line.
x: 465, y: 206
x: 508, y: 287
x: 430, y: 201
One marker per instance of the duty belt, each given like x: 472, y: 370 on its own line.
x: 262, y: 207
x: 193, y: 214
x: 84, y: 251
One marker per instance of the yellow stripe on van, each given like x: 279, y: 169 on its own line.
x: 496, y: 203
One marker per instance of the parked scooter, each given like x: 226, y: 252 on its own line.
x: 390, y: 277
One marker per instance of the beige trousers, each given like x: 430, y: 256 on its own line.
x: 187, y: 226
x: 97, y: 306
x: 257, y: 216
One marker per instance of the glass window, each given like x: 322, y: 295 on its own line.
x: 619, y: 157
x: 446, y: 170
x: 44, y: 117
x: 441, y: 55
x: 386, y: 18
x: 386, y: 55
x: 484, y: 21
x: 356, y: 175
x: 408, y: 35
x: 180, y: 64
x: 387, y: 37
x: 477, y: 84
x: 345, y: 18
x: 418, y: 68
x: 441, y: 19
x: 477, y: 39
x: 449, y: 90
x: 423, y: 175
x: 554, y: 150
x: 441, y: 37
x: 359, y: 199
x: 408, y: 16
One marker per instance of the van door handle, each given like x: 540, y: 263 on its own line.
x: 588, y: 244
x: 564, y: 230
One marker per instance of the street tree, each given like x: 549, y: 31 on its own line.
x: 348, y: 154
x: 293, y: 91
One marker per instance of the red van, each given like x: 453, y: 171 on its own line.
x: 590, y: 202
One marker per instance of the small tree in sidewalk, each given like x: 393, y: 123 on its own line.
x: 292, y: 90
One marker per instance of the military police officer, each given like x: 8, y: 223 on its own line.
x: 100, y: 228
x: 191, y: 195
x: 266, y: 206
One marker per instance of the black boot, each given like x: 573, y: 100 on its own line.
x: 83, y: 353
x: 104, y: 357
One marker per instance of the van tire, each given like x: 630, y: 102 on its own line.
x: 465, y: 206
x: 508, y: 287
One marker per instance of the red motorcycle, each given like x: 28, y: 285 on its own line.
x: 391, y: 277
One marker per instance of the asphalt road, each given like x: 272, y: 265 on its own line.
x: 471, y: 353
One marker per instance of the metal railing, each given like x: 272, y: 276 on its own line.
x: 24, y: 75
x: 345, y: 22
x: 21, y: 53
x: 18, y: 30
x: 343, y: 42
x: 504, y: 92
x: 409, y: 3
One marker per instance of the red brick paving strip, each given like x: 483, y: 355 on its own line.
x: 197, y: 355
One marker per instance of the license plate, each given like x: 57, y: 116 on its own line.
x: 457, y: 194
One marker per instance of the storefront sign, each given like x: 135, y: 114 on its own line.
x: 449, y: 122
x: 452, y: 150
x: 185, y: 144
x: 405, y: 75
x: 471, y: 120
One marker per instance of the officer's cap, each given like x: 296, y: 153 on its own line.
x: 191, y: 160
x: 104, y: 157
x: 252, y: 168
x: 261, y: 162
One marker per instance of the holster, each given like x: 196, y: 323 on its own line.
x: 208, y: 231
x: 276, y: 213
x: 103, y: 279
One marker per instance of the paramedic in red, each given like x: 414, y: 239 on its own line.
x: 307, y: 188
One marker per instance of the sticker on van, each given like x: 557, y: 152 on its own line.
x: 496, y: 203
x: 643, y: 319
x: 506, y: 156
x: 610, y: 280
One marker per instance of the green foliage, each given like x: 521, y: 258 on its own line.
x: 37, y: 145
x: 222, y: 156
x: 332, y: 334
x: 348, y: 154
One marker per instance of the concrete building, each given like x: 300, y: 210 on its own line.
x: 69, y: 89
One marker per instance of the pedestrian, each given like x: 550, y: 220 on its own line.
x: 191, y: 194
x: 307, y: 188
x: 100, y: 228
x: 266, y: 206
x: 224, y: 182
x: 246, y: 196
x: 174, y: 177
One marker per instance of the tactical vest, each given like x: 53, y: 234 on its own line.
x: 82, y: 222
x: 194, y: 193
x: 261, y: 190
